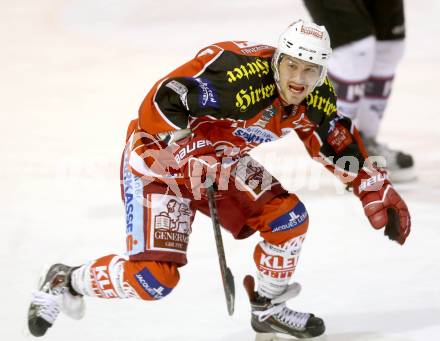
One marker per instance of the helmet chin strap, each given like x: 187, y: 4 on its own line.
x: 275, y: 63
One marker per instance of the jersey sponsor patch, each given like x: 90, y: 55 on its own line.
x: 151, y: 285
x: 290, y: 220
x: 208, y: 96
x: 181, y: 90
x: 322, y: 101
x: 332, y: 123
x: 255, y: 134
x: 339, y: 138
x: 177, y: 87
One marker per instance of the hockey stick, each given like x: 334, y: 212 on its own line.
x: 227, y: 277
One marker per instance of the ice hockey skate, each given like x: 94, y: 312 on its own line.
x: 54, y: 295
x: 274, y: 318
x: 400, y: 165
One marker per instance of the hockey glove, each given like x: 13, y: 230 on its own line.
x: 382, y: 204
x: 197, y: 160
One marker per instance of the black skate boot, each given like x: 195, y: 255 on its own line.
x: 273, y: 316
x: 54, y: 294
x: 399, y: 164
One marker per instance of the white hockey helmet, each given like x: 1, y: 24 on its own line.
x: 305, y: 41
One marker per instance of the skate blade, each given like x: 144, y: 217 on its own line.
x: 284, y: 337
x: 274, y: 337
x: 265, y: 337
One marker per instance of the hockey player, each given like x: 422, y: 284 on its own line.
x: 368, y: 41
x: 200, y: 121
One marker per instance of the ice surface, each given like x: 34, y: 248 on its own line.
x: 74, y: 73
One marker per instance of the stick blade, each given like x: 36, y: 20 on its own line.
x: 230, y: 291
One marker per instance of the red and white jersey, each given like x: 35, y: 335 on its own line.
x: 228, y: 94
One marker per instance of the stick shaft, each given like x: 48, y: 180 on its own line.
x: 227, y: 277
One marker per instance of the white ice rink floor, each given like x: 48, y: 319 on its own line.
x: 73, y: 74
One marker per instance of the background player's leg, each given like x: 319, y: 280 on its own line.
x: 349, y: 69
x: 352, y: 38
x: 389, y: 24
x: 367, y: 40
x: 379, y: 85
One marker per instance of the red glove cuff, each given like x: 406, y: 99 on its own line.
x: 369, y: 180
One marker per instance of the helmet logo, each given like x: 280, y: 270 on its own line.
x: 307, y: 49
x: 312, y: 31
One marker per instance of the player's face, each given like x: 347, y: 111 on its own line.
x: 297, y: 79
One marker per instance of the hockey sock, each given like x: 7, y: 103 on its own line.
x: 378, y: 87
x: 276, y: 265
x: 373, y: 105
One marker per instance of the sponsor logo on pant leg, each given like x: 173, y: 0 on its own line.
x: 171, y: 223
x: 290, y: 220
x: 151, y: 285
x: 134, y: 219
